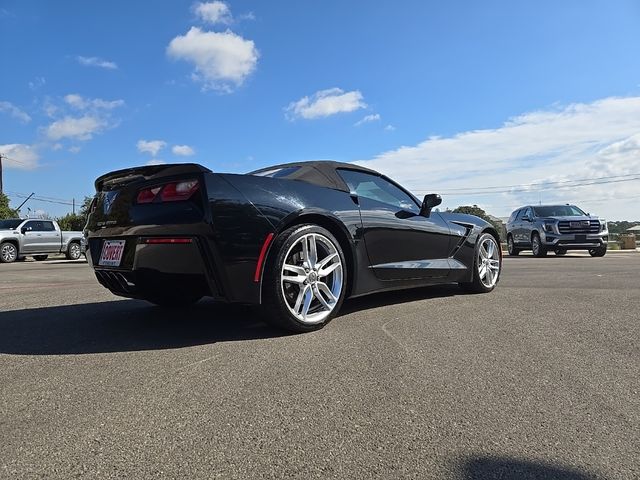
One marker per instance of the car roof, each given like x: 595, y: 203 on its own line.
x: 318, y: 172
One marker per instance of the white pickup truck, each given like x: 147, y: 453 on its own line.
x: 20, y: 238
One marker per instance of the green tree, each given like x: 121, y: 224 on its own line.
x: 5, y: 210
x: 76, y: 221
x: 479, y: 212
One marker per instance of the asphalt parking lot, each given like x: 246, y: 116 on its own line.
x: 539, y: 379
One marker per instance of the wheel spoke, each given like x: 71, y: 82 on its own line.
x: 326, y: 260
x: 308, y: 297
x: 321, y: 299
x: 294, y: 269
x: 483, y: 252
x: 489, y: 276
x: 482, y: 271
x: 490, y: 249
x: 326, y: 271
x: 300, y: 298
x: 312, y: 258
x: 324, y: 288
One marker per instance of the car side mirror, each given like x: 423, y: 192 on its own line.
x: 25, y: 229
x: 430, y: 201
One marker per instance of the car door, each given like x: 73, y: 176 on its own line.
x: 516, y: 229
x: 32, y: 241
x: 51, y: 237
x: 401, y: 243
x: 526, y: 226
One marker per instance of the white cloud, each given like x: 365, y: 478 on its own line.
x: 213, y: 12
x: 19, y: 156
x: 75, y: 149
x: 82, y: 128
x: 584, y: 140
x: 96, y: 62
x: 151, y: 146
x: 37, y: 83
x: 182, y: 150
x: 374, y: 117
x: 390, y: 128
x: 222, y: 60
x: 15, y: 112
x: 81, y: 103
x: 325, y: 103
x: 156, y: 161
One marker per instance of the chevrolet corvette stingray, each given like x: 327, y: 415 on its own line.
x: 296, y: 239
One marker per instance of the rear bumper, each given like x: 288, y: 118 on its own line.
x: 148, y: 270
x: 574, y: 241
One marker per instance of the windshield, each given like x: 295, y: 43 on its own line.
x: 559, y: 211
x: 10, y: 224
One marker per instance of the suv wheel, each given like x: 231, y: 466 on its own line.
x: 511, y: 246
x: 538, y: 249
x: 8, y: 252
x: 598, y: 252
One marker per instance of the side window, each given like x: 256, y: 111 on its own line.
x: 48, y: 227
x: 33, y: 226
x: 513, y: 216
x: 376, y: 188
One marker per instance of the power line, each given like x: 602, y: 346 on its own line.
x: 521, y: 190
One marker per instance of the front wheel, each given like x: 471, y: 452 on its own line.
x: 487, y: 265
x: 598, y: 252
x: 511, y: 246
x: 537, y: 248
x: 8, y: 252
x: 74, y: 252
x: 305, y: 279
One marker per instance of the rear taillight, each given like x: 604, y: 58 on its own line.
x: 171, y: 192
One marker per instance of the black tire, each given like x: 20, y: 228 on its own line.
x: 74, y: 251
x: 40, y: 258
x: 598, y: 252
x: 8, y: 252
x: 477, y: 284
x: 281, y: 297
x: 174, y: 300
x: 511, y: 247
x: 560, y: 251
x: 537, y: 248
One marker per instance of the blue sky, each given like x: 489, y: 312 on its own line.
x: 441, y: 95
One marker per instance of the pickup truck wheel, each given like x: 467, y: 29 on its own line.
x: 536, y: 246
x: 8, y: 252
x: 40, y: 258
x: 74, y: 251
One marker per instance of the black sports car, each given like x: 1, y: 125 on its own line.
x: 297, y: 238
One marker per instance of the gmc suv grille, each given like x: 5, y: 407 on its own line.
x: 579, y: 226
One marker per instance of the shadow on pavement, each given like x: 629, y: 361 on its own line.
x: 505, y: 468
x: 132, y: 325
x: 127, y: 325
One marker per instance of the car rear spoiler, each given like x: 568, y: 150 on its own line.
x: 121, y: 177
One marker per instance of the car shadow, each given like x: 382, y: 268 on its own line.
x: 507, y: 468
x: 134, y: 325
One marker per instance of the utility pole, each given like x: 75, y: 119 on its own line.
x: 73, y: 202
x: 0, y: 173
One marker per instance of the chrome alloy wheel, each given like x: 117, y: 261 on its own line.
x: 74, y: 251
x: 488, y: 262
x: 535, y: 245
x: 311, y: 278
x: 9, y: 253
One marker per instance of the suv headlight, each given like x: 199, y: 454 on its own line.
x: 548, y: 226
x: 603, y: 225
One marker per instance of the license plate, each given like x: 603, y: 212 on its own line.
x: 112, y: 251
x: 581, y: 238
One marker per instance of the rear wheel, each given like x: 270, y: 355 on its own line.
x: 487, y: 265
x: 8, y: 252
x: 598, y: 252
x: 305, y: 279
x: 40, y: 258
x: 538, y: 249
x: 511, y: 246
x: 74, y: 251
